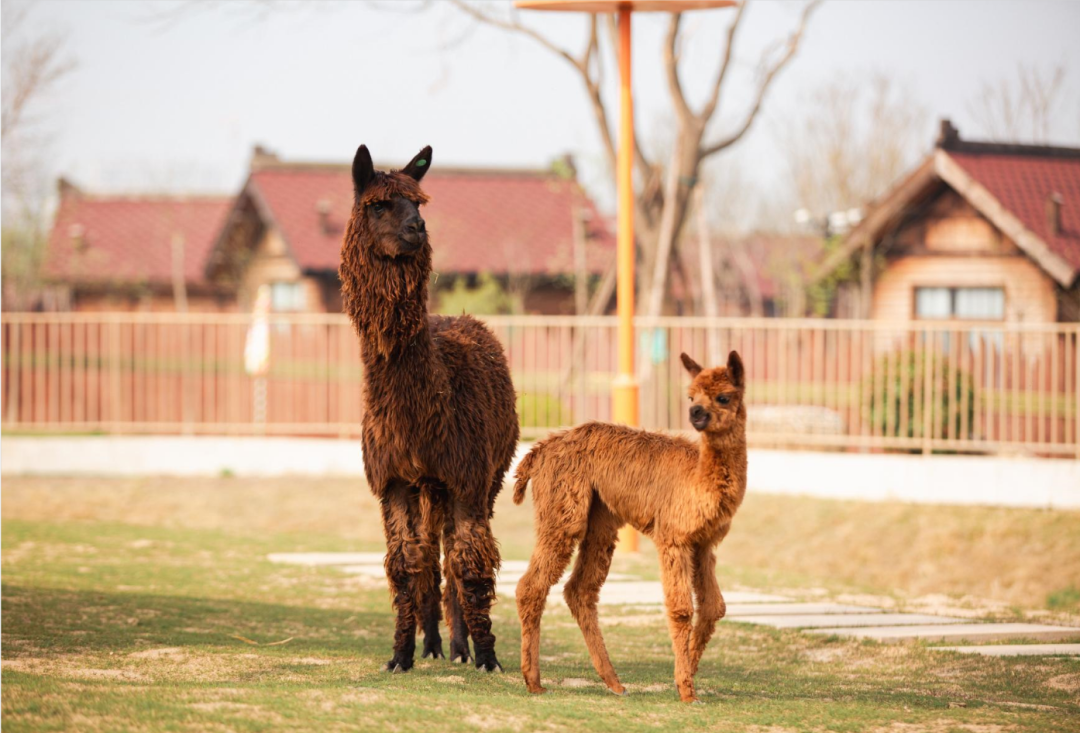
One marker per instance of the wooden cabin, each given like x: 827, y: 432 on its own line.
x: 978, y: 231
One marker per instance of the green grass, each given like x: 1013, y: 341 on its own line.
x: 123, y: 601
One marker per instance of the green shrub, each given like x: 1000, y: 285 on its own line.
x: 897, y: 390
x: 542, y: 410
x: 1065, y: 599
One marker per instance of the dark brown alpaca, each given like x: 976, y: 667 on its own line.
x: 440, y: 427
x: 589, y: 481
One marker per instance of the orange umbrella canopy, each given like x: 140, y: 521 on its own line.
x: 614, y: 6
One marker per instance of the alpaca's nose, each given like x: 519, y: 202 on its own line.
x: 414, y: 225
x: 699, y: 417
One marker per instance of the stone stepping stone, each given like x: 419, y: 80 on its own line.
x: 1016, y: 650
x: 651, y: 593
x: 847, y: 621
x: 326, y: 558
x: 738, y: 610
x: 958, y: 632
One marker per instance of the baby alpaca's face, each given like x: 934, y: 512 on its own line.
x: 716, y: 395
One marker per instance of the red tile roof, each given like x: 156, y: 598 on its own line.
x: 1022, y: 183
x: 499, y: 221
x: 125, y: 239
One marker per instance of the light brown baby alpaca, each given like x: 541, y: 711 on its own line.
x: 589, y: 481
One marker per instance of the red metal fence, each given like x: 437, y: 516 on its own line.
x: 921, y: 386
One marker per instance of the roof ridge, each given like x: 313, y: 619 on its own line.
x: 997, y: 148
x: 330, y: 167
x: 154, y: 197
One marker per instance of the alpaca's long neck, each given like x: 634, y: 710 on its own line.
x: 722, y: 467
x: 387, y: 302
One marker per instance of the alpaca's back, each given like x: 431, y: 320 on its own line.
x: 481, y: 401
x: 632, y: 471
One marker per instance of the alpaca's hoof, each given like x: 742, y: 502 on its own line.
x: 488, y: 664
x: 433, y: 649
x: 460, y: 659
x: 537, y: 690
x: 620, y: 690
x: 396, y: 666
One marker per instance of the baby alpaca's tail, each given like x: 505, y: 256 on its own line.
x: 524, y: 472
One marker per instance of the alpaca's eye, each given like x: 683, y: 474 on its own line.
x: 378, y: 207
x: 723, y: 399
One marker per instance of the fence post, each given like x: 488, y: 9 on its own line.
x: 114, y: 373
x: 927, y: 395
x: 1076, y: 391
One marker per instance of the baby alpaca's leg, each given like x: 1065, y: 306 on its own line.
x: 583, y: 589
x: 710, y: 604
x: 554, y: 545
x: 677, y: 575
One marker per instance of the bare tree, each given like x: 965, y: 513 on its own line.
x: 33, y: 63
x: 853, y: 140
x: 1020, y: 109
x: 662, y: 202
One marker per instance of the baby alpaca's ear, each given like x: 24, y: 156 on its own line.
x: 735, y: 370
x: 691, y: 366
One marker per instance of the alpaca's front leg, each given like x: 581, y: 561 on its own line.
x: 455, y: 619
x: 677, y: 576
x: 400, y: 543
x: 473, y: 561
x: 431, y: 507
x: 710, y: 603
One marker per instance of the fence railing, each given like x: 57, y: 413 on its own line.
x: 921, y: 386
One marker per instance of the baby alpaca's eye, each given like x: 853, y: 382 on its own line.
x: 723, y: 399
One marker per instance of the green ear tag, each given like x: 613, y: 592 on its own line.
x: 421, y: 162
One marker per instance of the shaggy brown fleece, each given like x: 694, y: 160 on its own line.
x: 440, y: 426
x: 590, y: 481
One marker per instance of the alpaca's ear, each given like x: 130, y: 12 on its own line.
x: 419, y: 165
x: 691, y: 366
x: 736, y: 373
x: 362, y: 170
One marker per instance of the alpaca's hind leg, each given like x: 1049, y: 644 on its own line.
x: 400, y: 541
x: 677, y: 575
x: 455, y: 619
x: 710, y: 604
x: 554, y: 545
x: 473, y: 562
x: 432, y: 508
x: 582, y: 591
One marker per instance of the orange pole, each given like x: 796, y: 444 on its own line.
x: 625, y: 392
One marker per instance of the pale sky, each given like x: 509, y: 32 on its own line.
x: 178, y: 105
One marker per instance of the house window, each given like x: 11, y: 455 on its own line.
x: 286, y: 297
x: 965, y: 304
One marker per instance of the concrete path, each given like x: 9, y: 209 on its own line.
x: 1016, y: 650
x: 847, y: 620
x: 957, y: 632
x: 766, y: 609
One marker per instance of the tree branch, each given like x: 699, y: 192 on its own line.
x: 671, y: 68
x: 766, y: 82
x: 511, y: 25
x: 714, y: 99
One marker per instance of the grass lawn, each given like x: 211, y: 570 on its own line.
x: 149, y: 605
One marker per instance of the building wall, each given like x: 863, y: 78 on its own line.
x: 149, y: 302
x: 951, y: 245
x: 272, y: 262
x: 1029, y: 292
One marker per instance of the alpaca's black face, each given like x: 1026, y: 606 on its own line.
x: 395, y: 226
x: 386, y: 216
